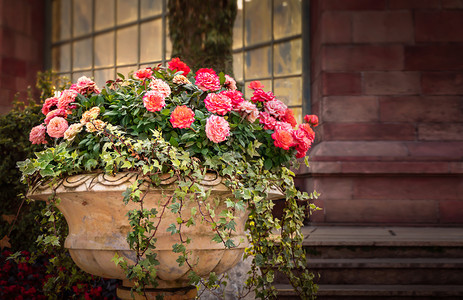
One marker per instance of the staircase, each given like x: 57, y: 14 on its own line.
x: 383, y: 263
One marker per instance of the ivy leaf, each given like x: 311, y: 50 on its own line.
x: 268, y: 164
x: 177, y: 248
x: 172, y: 229
x: 91, y: 163
x: 230, y: 244
x: 194, y: 278
x: 181, y: 260
x: 174, y: 207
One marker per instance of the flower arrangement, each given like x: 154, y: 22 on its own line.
x: 170, y: 120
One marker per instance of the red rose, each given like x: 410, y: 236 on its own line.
x: 312, y: 120
x: 289, y: 117
x: 177, y: 65
x: 182, y: 117
x: 282, y: 139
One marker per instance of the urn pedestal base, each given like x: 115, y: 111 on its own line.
x: 183, y: 293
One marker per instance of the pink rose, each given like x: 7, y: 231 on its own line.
x: 249, y: 110
x: 55, y: 113
x: 143, y: 74
x: 154, y: 101
x: 205, y: 70
x: 276, y: 108
x: 260, y: 96
x: 207, y: 81
x: 217, y: 129
x: 283, y: 126
x: 67, y: 97
x: 254, y: 85
x: 57, y: 127
x: 230, y: 83
x: 218, y: 103
x: 37, y: 135
x: 235, y: 96
x: 302, y: 142
x: 267, y: 120
x: 160, y: 86
x: 49, y: 105
x: 85, y: 86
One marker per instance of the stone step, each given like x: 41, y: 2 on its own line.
x: 388, y: 270
x: 376, y: 292
x: 384, y: 251
x: 385, y: 271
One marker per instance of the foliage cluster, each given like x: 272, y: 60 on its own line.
x: 159, y: 122
x: 34, y: 270
x: 15, y: 146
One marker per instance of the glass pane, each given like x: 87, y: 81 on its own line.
x: 104, y: 14
x: 127, y: 11
x: 61, y: 29
x: 127, y: 45
x: 168, y: 41
x: 257, y: 14
x: 151, y: 41
x: 150, y: 8
x: 101, y: 76
x: 297, y: 113
x: 126, y: 71
x: 238, y: 27
x: 82, y: 54
x: 238, y: 66
x: 248, y: 92
x: 61, y: 58
x: 104, y: 50
x: 82, y: 17
x: 150, y: 65
x: 289, y: 90
x: 64, y: 78
x: 258, y: 63
x: 77, y: 75
x: 287, y: 58
x: 286, y: 18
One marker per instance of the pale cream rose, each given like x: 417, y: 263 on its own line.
x: 72, y: 131
x: 90, y: 115
x: 95, y: 125
x: 180, y: 79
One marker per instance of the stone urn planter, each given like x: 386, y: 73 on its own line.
x: 98, y: 227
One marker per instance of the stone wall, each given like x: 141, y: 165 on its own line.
x: 21, y: 47
x: 387, y: 84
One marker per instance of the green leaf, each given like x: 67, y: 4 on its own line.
x: 268, y: 164
x: 172, y: 229
x: 178, y: 248
x: 173, y: 141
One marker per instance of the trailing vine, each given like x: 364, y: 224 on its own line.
x: 157, y: 125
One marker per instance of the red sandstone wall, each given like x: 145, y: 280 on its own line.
x: 387, y: 83
x: 21, y: 47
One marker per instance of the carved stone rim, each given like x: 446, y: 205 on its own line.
x: 91, y: 181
